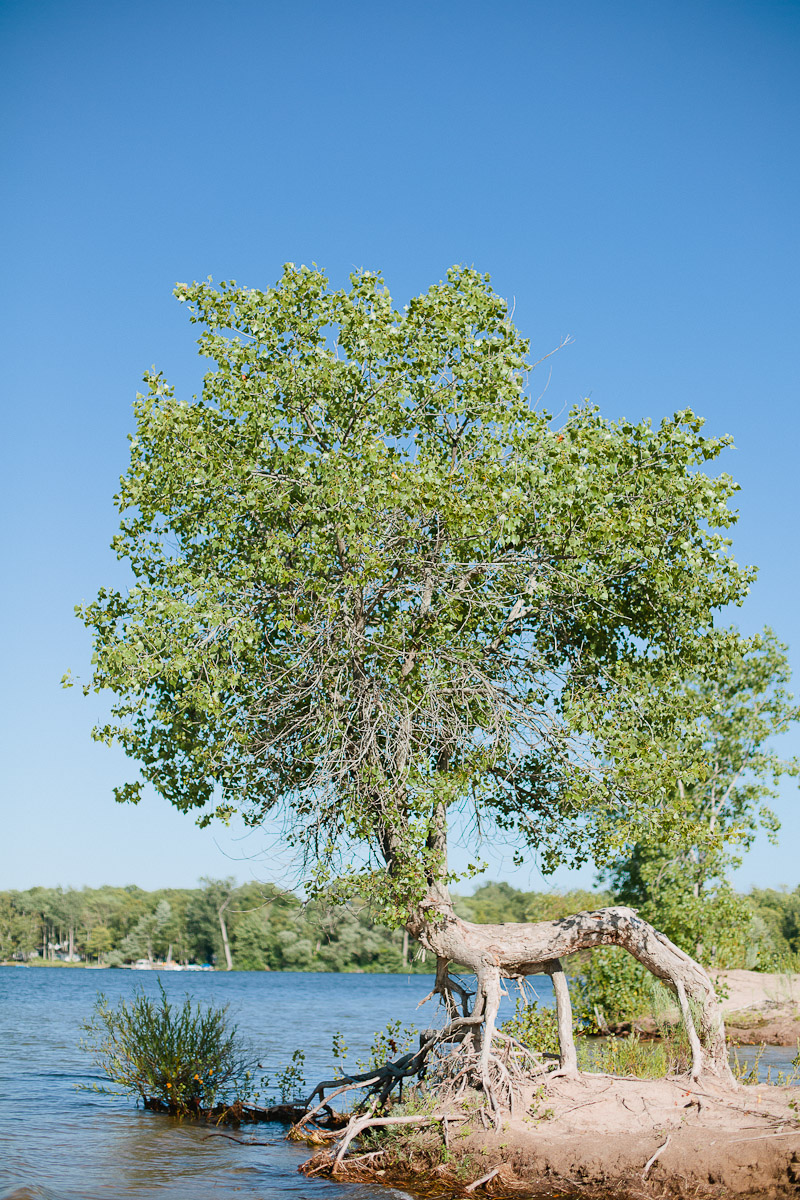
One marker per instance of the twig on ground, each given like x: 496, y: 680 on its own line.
x: 733, y: 1101
x: 567, y: 1111
x: 483, y: 1179
x: 762, y: 1137
x: 651, y: 1160
x: 363, y: 1157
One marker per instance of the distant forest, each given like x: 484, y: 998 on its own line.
x: 262, y: 927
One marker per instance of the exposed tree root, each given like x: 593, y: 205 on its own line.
x: 470, y: 1052
x: 566, y: 1038
x: 359, y: 1126
x: 236, y: 1113
x: 471, y: 1187
x: 516, y: 951
x: 296, y: 1132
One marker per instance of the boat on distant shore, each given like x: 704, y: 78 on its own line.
x: 144, y: 964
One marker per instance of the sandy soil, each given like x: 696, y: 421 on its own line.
x: 760, y: 1008
x: 604, y: 1131
x: 594, y: 1136
x: 753, y: 989
x: 607, y: 1138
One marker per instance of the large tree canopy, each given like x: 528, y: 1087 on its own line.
x: 374, y: 582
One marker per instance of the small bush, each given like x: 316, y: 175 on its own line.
x: 612, y: 986
x: 185, y: 1058
x: 535, y: 1027
x: 291, y: 1080
x: 630, y: 1056
x: 752, y: 1072
x: 387, y: 1044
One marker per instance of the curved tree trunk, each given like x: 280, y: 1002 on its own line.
x: 515, y: 950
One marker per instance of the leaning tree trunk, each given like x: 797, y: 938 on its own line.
x: 513, y: 951
x: 497, y: 952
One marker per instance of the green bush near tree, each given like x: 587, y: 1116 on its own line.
x: 609, y: 986
x: 534, y: 1025
x: 185, y: 1057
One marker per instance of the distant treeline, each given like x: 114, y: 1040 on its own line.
x: 262, y: 927
x: 251, y: 928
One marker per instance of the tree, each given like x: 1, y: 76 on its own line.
x: 777, y: 920
x: 206, y: 923
x: 99, y: 942
x: 251, y: 943
x: 498, y: 903
x: 374, y: 585
x: 20, y: 935
x: 219, y: 893
x: 734, y: 709
x: 147, y: 938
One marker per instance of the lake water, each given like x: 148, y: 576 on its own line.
x: 57, y: 1143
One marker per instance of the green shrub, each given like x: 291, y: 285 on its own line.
x: 613, y: 986
x: 669, y: 1055
x: 536, y: 1027
x: 387, y: 1044
x: 185, y: 1057
x: 748, y: 1069
x: 291, y: 1080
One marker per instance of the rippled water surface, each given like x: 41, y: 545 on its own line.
x: 57, y: 1143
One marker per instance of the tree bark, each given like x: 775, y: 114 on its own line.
x: 566, y: 1037
x: 224, y: 930
x: 515, y: 950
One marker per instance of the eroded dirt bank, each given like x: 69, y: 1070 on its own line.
x: 760, y: 1008
x: 595, y: 1136
x: 604, y: 1131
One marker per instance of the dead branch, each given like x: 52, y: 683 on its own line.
x: 325, y: 1103
x: 471, y: 1187
x: 653, y: 1158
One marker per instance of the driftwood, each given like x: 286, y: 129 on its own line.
x: 244, y: 1114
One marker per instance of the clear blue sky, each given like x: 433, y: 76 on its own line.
x: 627, y: 173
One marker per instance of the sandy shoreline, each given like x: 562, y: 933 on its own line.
x: 612, y: 1138
x: 596, y: 1135
x: 760, y: 1008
